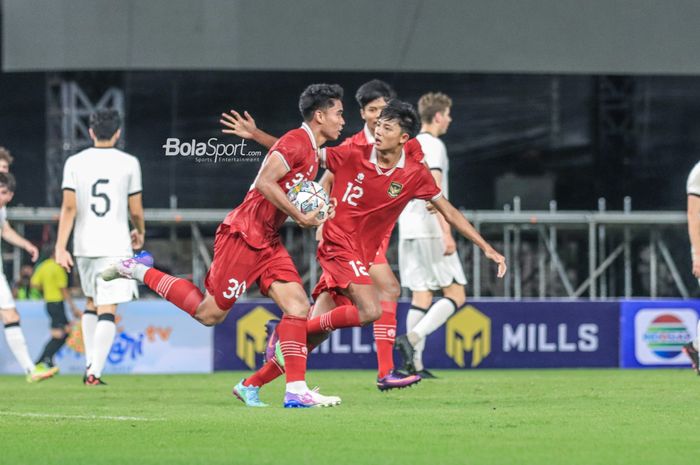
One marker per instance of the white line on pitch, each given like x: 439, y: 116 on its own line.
x: 77, y: 417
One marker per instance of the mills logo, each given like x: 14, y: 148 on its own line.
x: 251, y: 336
x: 468, y: 330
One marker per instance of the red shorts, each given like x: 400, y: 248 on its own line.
x: 340, y: 269
x: 237, y: 265
x: 380, y: 258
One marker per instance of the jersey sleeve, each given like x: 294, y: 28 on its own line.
x: 693, y: 185
x: 288, y: 150
x: 135, y: 178
x: 427, y: 188
x: 69, y: 179
x: 332, y: 158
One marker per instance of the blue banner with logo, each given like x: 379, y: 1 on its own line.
x: 653, y: 332
x: 482, y: 334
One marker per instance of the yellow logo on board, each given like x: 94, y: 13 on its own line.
x: 251, y: 336
x: 468, y: 330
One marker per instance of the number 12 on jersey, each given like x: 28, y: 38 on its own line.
x: 352, y: 193
x: 359, y: 268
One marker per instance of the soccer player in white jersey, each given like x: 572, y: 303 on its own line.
x: 101, y: 187
x: 693, y: 190
x: 10, y: 318
x: 428, y: 259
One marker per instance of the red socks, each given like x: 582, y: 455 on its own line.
x: 292, y: 333
x: 180, y: 292
x: 269, y: 372
x: 384, y: 336
x: 345, y: 316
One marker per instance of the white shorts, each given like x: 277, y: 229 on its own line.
x: 104, y: 292
x: 6, y: 300
x: 424, y: 267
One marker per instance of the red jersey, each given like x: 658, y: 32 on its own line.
x: 256, y: 219
x: 370, y: 199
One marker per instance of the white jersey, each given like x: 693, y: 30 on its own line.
x: 693, y: 185
x: 416, y: 222
x: 103, y: 179
x: 3, y: 219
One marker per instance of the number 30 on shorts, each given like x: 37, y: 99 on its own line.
x: 235, y: 289
x: 359, y: 268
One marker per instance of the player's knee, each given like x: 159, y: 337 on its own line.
x: 390, y: 290
x: 369, y: 313
x: 299, y: 309
x: 210, y: 318
x: 456, y: 294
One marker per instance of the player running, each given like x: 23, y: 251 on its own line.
x: 101, y: 189
x: 372, y: 97
x: 8, y: 311
x: 248, y: 249
x: 373, y: 184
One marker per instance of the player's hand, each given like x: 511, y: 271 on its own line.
x: 310, y: 219
x: 32, y: 250
x: 64, y: 259
x: 450, y: 244
x: 696, y: 267
x: 241, y: 126
x: 499, y: 259
x: 431, y: 208
x: 137, y: 239
x: 331, y: 208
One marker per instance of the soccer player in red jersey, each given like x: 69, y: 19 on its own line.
x: 372, y: 98
x: 372, y: 184
x: 247, y: 247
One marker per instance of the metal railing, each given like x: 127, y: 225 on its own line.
x: 572, y: 254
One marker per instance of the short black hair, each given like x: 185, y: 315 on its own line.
x: 318, y: 97
x: 7, y: 180
x: 405, y: 114
x: 104, y: 123
x: 372, y: 90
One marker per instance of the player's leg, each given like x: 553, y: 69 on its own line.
x: 385, y: 327
x: 105, y: 331
x: 294, y: 303
x: 59, y: 323
x: 421, y: 300
x: 692, y: 350
x: 88, y: 323
x: 247, y: 390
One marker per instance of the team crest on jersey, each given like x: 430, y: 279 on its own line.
x: 359, y: 178
x: 395, y: 189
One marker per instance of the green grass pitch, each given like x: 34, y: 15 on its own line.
x: 465, y: 417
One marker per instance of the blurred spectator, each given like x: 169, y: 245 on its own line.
x: 22, y: 289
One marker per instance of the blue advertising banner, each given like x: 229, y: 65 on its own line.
x: 152, y: 337
x: 653, y: 332
x: 482, y: 334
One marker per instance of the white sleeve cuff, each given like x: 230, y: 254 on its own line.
x: 281, y: 157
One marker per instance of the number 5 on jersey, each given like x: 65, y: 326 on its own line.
x: 352, y: 193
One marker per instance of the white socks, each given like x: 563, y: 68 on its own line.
x: 696, y: 342
x: 416, y: 314
x: 437, y: 315
x: 105, y: 331
x: 89, y: 322
x: 18, y: 346
x: 297, y: 387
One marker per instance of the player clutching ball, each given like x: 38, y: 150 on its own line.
x: 247, y: 247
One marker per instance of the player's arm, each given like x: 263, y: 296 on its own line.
x: 14, y: 238
x: 464, y: 227
x: 65, y: 226
x: 326, y: 182
x: 450, y: 244
x: 245, y: 128
x: 694, y: 231
x: 138, y: 234
x: 271, y: 172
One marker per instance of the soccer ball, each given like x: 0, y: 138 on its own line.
x: 308, y: 196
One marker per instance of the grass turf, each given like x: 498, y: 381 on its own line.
x: 484, y: 416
